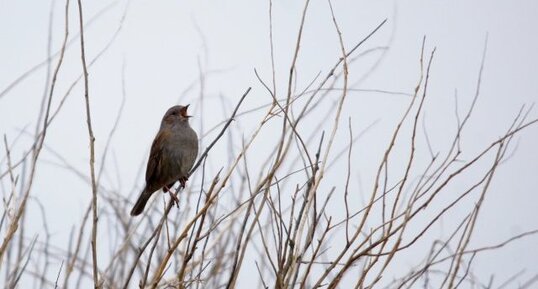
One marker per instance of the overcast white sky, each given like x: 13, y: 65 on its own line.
x: 163, y: 44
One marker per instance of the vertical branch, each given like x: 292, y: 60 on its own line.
x: 49, y: 66
x: 346, y: 190
x: 272, y: 50
x: 289, y: 94
x: 321, y: 171
x: 92, y: 150
x: 36, y: 150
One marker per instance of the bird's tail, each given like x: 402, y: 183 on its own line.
x: 140, y: 203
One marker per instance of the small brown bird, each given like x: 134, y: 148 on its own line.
x: 172, y: 155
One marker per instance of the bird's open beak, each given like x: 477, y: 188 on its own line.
x: 185, y: 114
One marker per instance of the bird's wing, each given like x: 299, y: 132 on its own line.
x: 153, y: 170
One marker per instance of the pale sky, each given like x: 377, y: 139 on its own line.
x: 162, y: 45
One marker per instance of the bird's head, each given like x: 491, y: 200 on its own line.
x: 176, y: 114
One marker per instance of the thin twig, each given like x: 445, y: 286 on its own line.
x: 96, y: 282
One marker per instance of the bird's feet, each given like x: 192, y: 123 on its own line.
x: 183, y: 181
x: 173, y: 196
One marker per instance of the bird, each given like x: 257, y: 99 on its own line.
x: 171, y: 157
